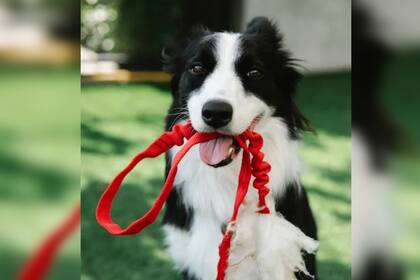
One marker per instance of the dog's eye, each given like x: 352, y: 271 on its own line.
x: 254, y: 74
x: 198, y: 69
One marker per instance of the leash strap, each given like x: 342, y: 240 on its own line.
x: 256, y: 167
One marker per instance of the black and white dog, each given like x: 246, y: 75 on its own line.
x: 227, y: 82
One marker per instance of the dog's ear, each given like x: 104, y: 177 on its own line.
x: 171, y: 55
x: 198, y: 32
x: 287, y: 75
x: 287, y: 80
x: 168, y: 57
x: 264, y: 28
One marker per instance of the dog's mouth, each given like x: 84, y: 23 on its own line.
x: 222, y: 150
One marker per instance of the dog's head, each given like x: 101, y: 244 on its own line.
x: 226, y: 82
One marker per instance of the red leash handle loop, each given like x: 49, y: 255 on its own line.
x: 161, y: 145
x: 257, y: 167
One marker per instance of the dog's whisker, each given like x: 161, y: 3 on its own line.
x: 179, y: 117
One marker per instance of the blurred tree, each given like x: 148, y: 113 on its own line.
x: 145, y: 28
x: 98, y: 24
x: 142, y: 28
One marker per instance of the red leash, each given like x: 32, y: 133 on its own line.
x: 256, y: 167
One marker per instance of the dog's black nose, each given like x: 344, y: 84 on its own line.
x: 217, y: 113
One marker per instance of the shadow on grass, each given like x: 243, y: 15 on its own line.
x: 345, y: 217
x: 152, y: 120
x: 137, y: 257
x: 32, y: 180
x: 311, y: 139
x: 92, y: 137
x: 331, y: 270
x: 341, y: 177
x: 339, y: 194
x: 314, y: 190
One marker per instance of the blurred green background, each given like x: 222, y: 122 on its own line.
x: 39, y: 164
x: 401, y: 88
x: 119, y: 120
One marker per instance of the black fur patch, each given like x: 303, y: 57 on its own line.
x: 176, y: 212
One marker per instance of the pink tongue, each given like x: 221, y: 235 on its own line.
x: 215, y: 151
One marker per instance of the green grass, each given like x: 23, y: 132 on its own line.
x: 120, y: 120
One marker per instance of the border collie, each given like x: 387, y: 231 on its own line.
x: 227, y: 82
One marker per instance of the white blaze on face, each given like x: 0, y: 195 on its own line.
x: 225, y: 84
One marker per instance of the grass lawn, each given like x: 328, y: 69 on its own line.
x: 120, y: 120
